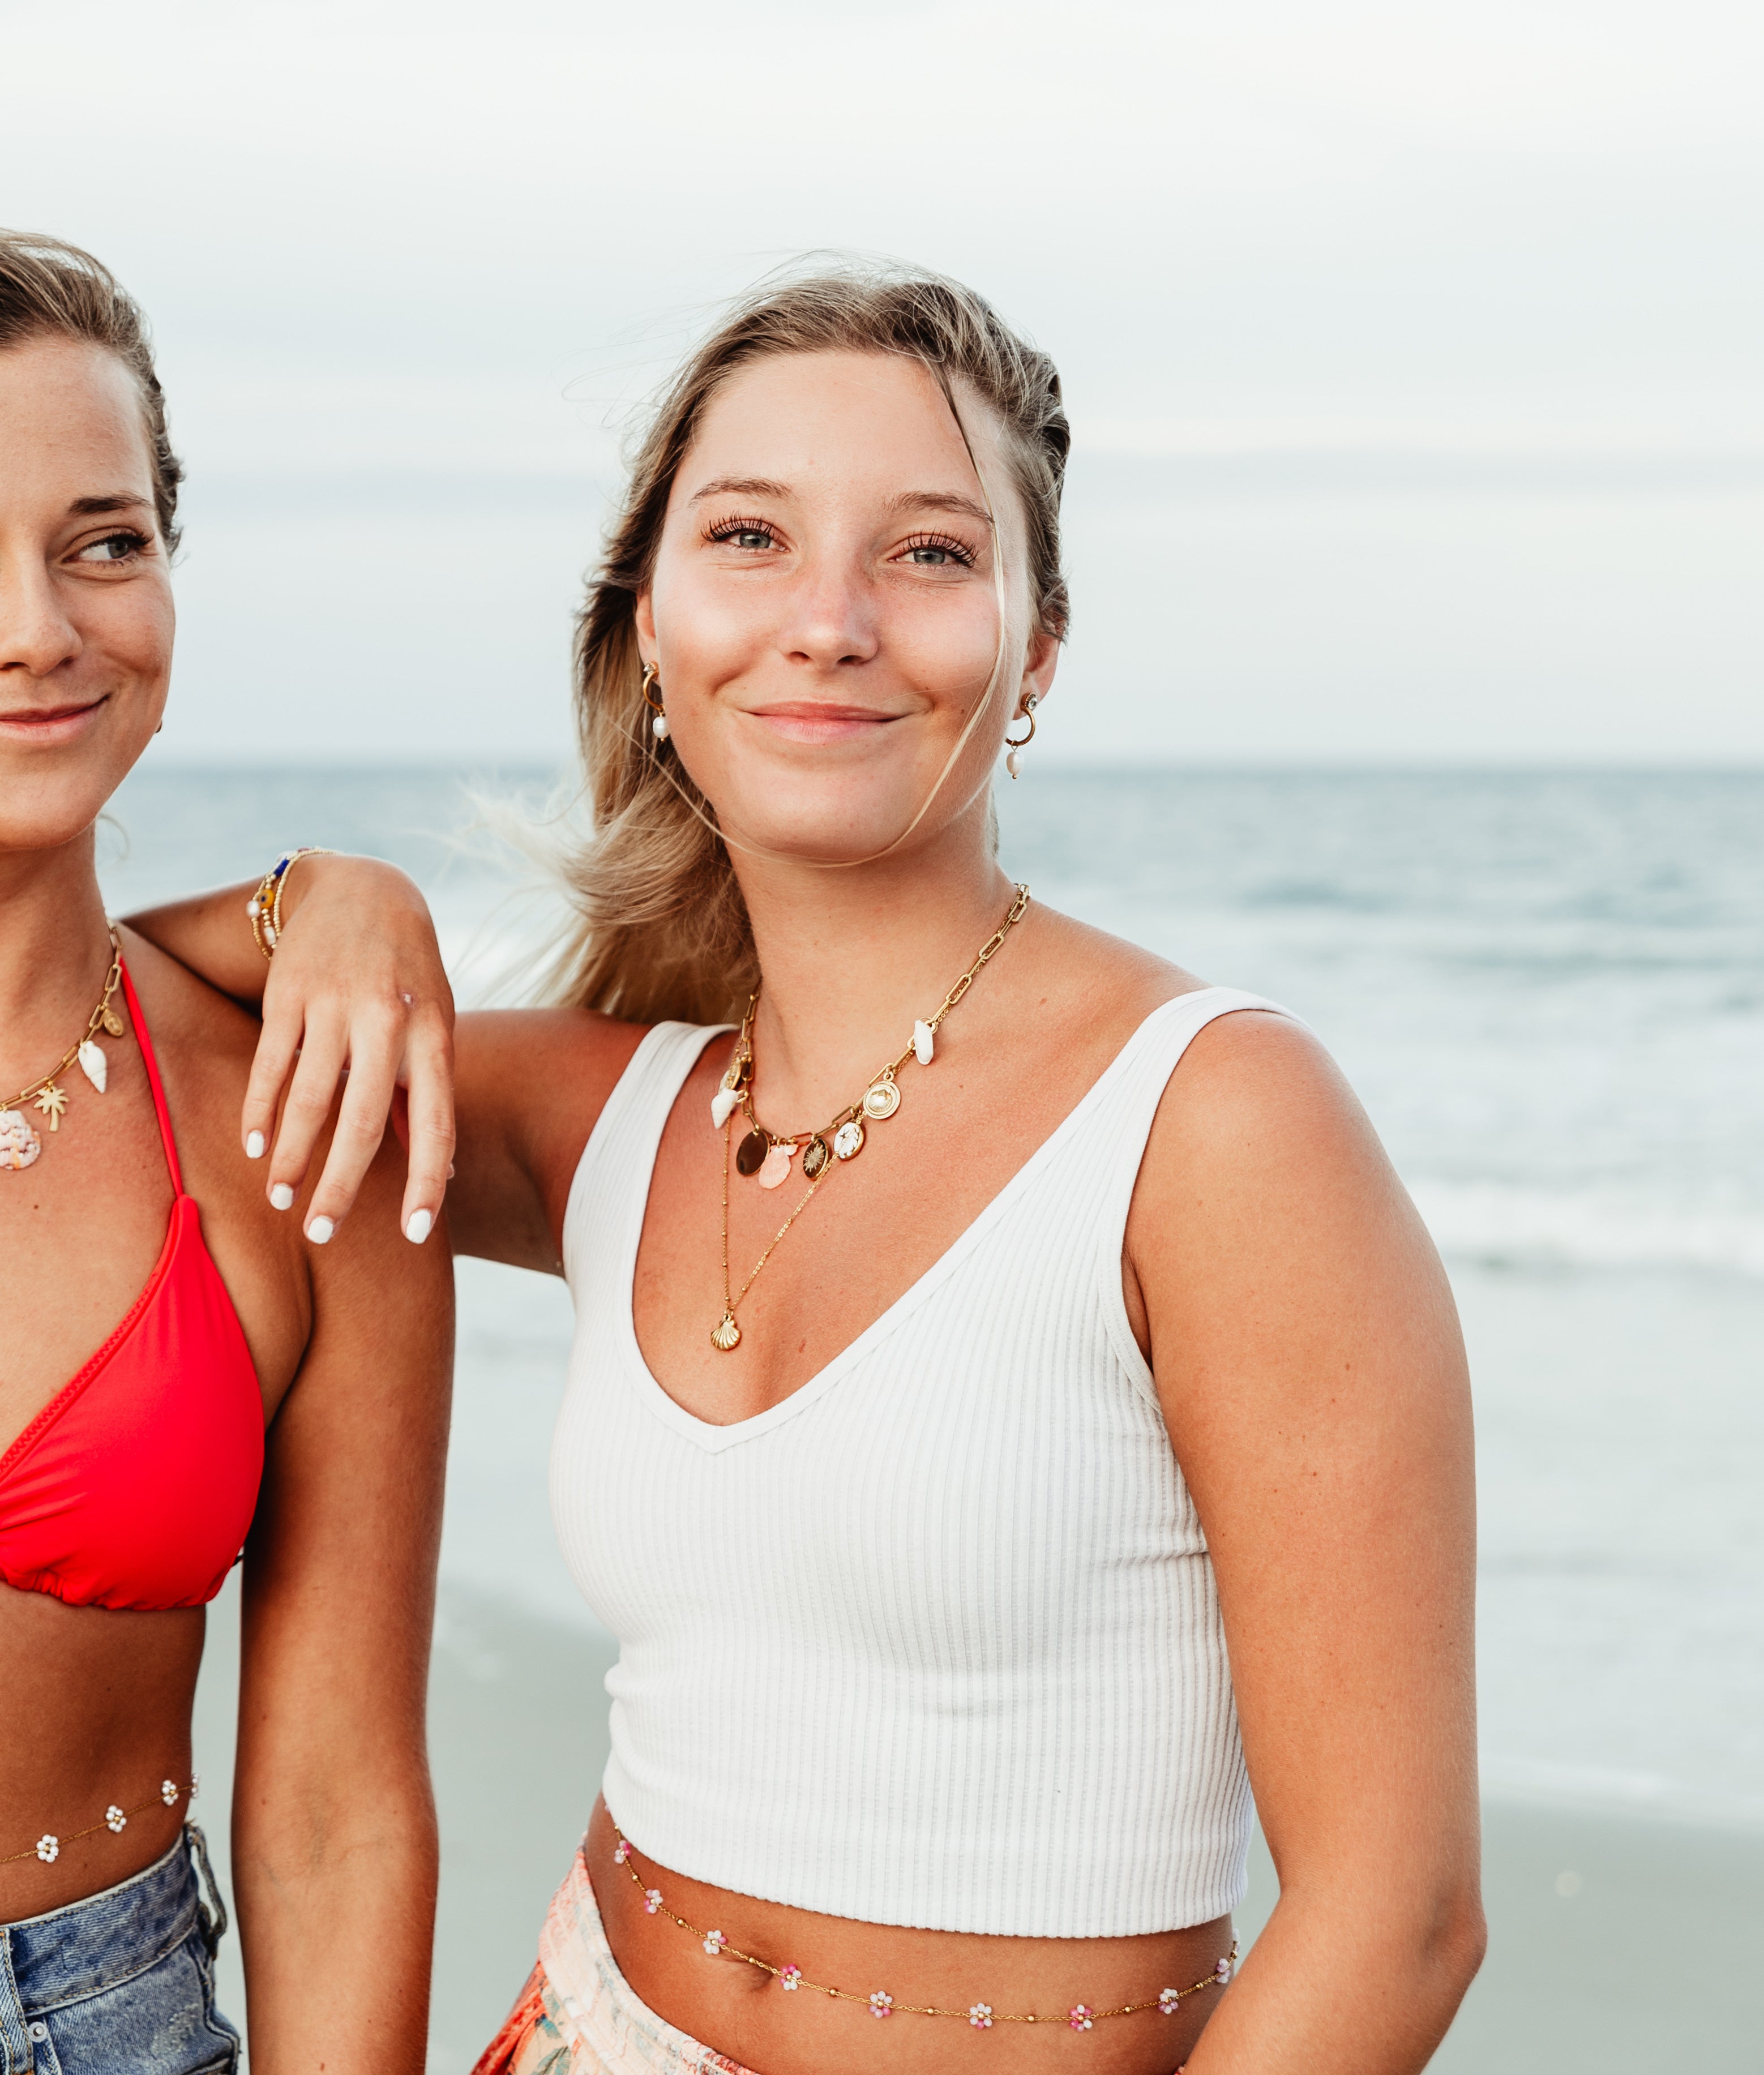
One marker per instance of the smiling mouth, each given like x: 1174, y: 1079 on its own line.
x: 820, y: 720
x: 47, y: 720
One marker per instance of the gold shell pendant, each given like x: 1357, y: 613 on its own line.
x: 881, y: 1099
x: 728, y: 1336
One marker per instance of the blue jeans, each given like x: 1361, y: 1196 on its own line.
x: 121, y: 1983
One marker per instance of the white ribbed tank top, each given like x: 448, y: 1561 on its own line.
x: 935, y: 1640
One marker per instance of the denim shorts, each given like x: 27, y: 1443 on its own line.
x: 121, y: 1983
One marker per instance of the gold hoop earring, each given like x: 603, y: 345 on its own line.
x: 1012, y: 760
x: 659, y: 725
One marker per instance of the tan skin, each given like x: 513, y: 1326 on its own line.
x: 824, y: 614
x: 333, y: 1835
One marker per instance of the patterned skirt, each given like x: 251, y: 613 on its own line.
x: 578, y: 2015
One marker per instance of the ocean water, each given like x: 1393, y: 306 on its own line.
x: 1548, y: 989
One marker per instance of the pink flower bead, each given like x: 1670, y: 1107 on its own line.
x: 651, y: 1899
x: 980, y: 2017
x: 621, y: 1851
x: 1168, y: 2001
x: 790, y: 1977
x: 1222, y: 1971
x: 1078, y: 2018
x: 881, y: 2003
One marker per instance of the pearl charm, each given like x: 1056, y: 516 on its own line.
x: 1013, y: 763
x: 659, y: 728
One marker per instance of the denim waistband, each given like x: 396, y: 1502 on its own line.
x: 102, y: 1940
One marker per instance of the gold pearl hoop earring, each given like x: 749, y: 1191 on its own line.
x: 1013, y: 758
x: 659, y: 725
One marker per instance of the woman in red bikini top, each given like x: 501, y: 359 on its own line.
x: 183, y: 1374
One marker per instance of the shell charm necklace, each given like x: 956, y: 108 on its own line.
x: 766, y: 1155
x: 20, y: 1144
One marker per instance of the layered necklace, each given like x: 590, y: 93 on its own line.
x: 767, y: 1155
x: 20, y: 1144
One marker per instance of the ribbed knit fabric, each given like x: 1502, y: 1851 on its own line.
x: 935, y: 1640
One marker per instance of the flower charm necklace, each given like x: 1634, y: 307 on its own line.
x: 20, y: 1144
x: 764, y: 1154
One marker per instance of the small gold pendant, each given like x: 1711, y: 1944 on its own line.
x: 881, y: 1099
x: 728, y: 1336
x: 815, y: 1156
x: 112, y: 1023
x: 751, y: 1153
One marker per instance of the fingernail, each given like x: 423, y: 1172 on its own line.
x: 320, y: 1230
x: 281, y: 1196
x: 253, y: 1145
x: 449, y: 1171
x: 422, y: 1224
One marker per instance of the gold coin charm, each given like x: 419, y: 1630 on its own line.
x: 815, y: 1156
x: 112, y: 1023
x: 726, y: 1337
x: 751, y: 1153
x: 881, y: 1099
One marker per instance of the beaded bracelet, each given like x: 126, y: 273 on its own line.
x: 265, y: 905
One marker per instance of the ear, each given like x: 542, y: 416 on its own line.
x: 1040, y: 661
x: 644, y: 615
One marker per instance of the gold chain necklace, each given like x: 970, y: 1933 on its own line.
x: 764, y: 1153
x: 20, y: 1144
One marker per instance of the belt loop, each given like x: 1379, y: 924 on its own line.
x: 20, y: 2054
x: 213, y: 1925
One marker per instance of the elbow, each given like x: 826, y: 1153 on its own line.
x: 1457, y: 1939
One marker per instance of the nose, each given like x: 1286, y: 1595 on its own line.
x: 832, y: 615
x: 36, y: 635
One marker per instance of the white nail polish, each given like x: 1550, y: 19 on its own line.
x: 320, y: 1230
x: 421, y: 1224
x: 281, y: 1196
x: 253, y: 1145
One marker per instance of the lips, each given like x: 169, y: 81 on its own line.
x: 49, y: 724
x: 818, y: 720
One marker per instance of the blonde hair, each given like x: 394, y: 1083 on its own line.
x: 659, y: 929
x: 49, y: 289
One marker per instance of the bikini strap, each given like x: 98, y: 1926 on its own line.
x: 154, y: 1082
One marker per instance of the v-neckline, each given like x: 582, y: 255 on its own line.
x: 713, y: 1437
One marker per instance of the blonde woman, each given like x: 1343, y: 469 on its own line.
x: 181, y: 1372
x: 1014, y: 1408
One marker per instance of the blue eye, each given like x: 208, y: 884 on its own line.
x: 114, y: 548
x: 752, y: 535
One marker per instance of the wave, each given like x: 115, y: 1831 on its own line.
x: 1509, y: 1225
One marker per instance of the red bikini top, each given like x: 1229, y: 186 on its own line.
x: 134, y: 1487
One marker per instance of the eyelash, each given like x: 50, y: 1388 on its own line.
x: 727, y: 529
x: 137, y: 542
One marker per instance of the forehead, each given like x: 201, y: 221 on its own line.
x: 67, y: 405
x: 848, y: 422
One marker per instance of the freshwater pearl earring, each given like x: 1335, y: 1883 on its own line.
x: 1014, y: 762
x: 659, y: 725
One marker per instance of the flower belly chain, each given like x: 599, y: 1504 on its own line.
x: 981, y: 2016
x: 765, y: 1154
x: 47, y: 1848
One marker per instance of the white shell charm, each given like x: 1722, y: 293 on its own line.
x: 722, y: 1104
x: 848, y: 1140
x: 923, y: 1040
x: 881, y: 1099
x: 19, y: 1145
x: 93, y: 1064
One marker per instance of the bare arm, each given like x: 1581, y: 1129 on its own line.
x: 1308, y: 1358
x: 334, y: 1823
x: 357, y: 982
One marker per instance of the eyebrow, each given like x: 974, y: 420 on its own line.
x: 92, y: 508
x: 908, y: 500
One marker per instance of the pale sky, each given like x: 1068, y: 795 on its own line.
x: 1415, y: 354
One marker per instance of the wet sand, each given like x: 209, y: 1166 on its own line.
x: 1619, y: 1945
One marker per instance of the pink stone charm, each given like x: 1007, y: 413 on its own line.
x: 790, y: 1977
x: 1078, y: 2018
x: 651, y: 1899
x: 775, y: 1167
x: 881, y: 2003
x: 979, y: 2015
